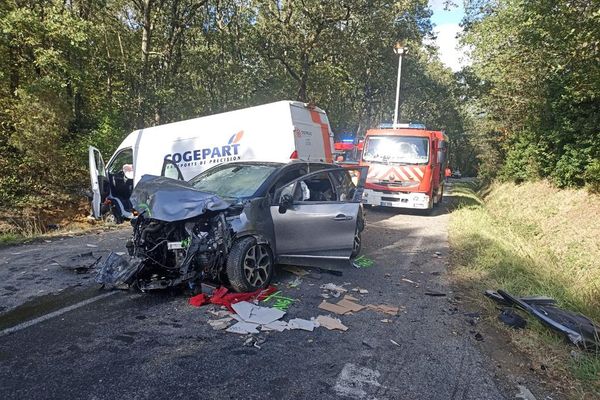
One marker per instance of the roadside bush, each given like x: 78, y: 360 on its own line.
x: 592, y: 176
x: 570, y: 168
x: 521, y: 163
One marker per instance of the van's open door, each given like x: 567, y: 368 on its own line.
x: 99, y: 181
x: 171, y: 170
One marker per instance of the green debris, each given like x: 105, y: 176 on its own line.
x: 363, y: 262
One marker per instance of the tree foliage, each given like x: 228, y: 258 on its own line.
x: 534, y: 88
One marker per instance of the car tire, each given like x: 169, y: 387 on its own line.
x: 357, y: 243
x: 249, y: 265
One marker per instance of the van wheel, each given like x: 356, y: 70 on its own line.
x: 249, y: 265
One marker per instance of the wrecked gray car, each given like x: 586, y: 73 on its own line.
x: 234, y: 222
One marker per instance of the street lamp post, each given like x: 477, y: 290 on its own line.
x: 400, y: 50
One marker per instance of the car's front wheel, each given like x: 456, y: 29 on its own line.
x: 249, y: 265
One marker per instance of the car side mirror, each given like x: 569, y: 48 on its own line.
x: 286, y: 201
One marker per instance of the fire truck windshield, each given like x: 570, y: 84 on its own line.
x: 397, y: 149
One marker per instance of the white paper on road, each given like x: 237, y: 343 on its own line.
x: 243, y: 328
x: 256, y: 314
x: 304, y: 324
x: 278, y: 326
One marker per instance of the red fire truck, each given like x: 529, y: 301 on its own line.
x: 406, y: 166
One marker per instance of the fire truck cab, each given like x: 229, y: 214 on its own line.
x: 406, y: 166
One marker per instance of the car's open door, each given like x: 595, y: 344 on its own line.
x: 171, y: 170
x: 99, y: 180
x: 359, y: 179
x: 316, y: 218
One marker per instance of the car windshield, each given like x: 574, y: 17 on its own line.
x: 233, y: 181
x: 398, y: 149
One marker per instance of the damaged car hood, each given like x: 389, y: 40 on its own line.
x: 169, y: 200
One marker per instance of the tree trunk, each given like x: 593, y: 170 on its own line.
x: 146, y: 11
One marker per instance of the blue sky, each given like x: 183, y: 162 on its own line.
x: 447, y: 27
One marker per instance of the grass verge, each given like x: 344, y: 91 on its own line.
x: 533, y: 239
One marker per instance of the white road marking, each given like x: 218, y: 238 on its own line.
x: 355, y: 382
x: 53, y: 314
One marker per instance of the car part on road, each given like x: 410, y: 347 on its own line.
x: 433, y: 293
x: 577, y: 328
x: 116, y: 270
x: 512, y: 319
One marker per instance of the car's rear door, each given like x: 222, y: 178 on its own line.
x: 318, y: 228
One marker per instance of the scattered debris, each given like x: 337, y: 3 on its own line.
x: 369, y: 343
x: 256, y: 314
x: 331, y: 323
x: 254, y: 342
x: 363, y: 262
x: 512, y: 319
x: 278, y: 326
x: 349, y: 304
x: 304, y: 324
x: 91, y: 245
x: 220, y: 324
x: 386, y: 321
x: 409, y: 281
x: 383, y: 308
x: 115, y: 270
x: 577, y: 328
x: 243, y: 328
x: 395, y: 343
x: 472, y: 318
x: 363, y: 291
x: 294, y: 283
x: 433, y: 293
x: 222, y: 297
x: 300, y: 272
x: 524, y: 393
x: 478, y: 336
x: 279, y: 302
x: 334, y: 308
x: 220, y: 313
x: 334, y: 289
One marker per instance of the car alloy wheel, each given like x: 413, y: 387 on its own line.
x: 249, y: 265
x: 257, y: 265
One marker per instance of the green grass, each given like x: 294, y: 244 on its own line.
x: 532, y: 239
x: 11, y: 238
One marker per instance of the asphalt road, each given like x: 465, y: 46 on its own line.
x: 130, y: 345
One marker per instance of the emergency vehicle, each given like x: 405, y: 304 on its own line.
x: 274, y: 132
x: 406, y: 166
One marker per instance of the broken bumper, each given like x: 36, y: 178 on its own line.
x: 399, y: 200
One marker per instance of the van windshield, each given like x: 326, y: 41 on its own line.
x: 233, y: 180
x: 397, y: 149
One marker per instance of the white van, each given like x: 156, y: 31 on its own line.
x: 271, y: 132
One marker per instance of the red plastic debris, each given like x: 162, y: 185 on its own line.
x: 222, y: 297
